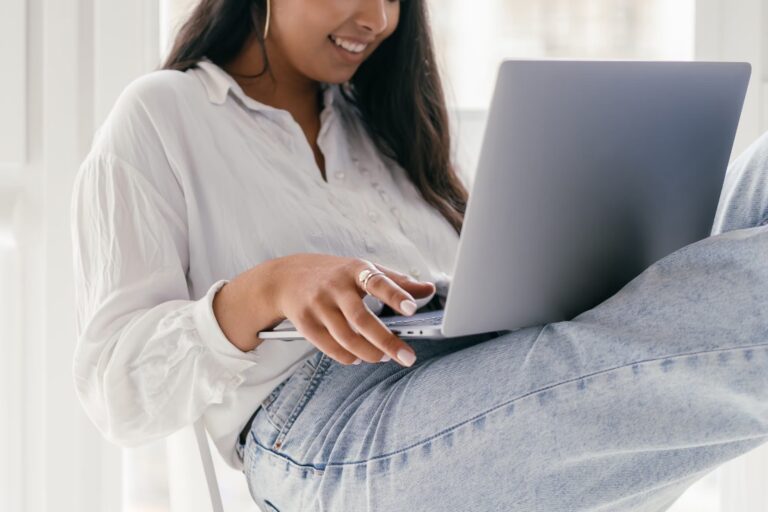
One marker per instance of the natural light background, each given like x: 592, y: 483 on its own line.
x: 65, y: 62
x: 472, y: 38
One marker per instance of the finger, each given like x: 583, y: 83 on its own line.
x: 339, y: 328
x: 385, y: 289
x: 394, y: 272
x: 319, y: 336
x: 358, y: 269
x: 391, y: 294
x: 408, y: 283
x: 371, y: 328
x: 415, y: 288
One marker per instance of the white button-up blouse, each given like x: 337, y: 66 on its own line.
x: 189, y: 182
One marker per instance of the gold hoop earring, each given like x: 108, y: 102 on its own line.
x: 266, y: 25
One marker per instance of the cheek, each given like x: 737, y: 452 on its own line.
x: 302, y: 45
x: 393, y: 17
x: 316, y: 59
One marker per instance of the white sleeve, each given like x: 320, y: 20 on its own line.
x: 148, y: 360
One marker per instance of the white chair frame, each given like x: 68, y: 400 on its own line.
x: 201, y: 436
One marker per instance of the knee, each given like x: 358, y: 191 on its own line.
x: 744, y: 198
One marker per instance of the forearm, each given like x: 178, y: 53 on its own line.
x: 246, y: 305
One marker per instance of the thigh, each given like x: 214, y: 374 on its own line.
x: 277, y: 414
x: 471, y: 429
x: 617, y: 409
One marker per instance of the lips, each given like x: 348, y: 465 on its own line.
x: 351, y: 45
x: 352, y: 39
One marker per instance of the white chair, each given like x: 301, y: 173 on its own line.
x: 194, y: 485
x: 201, y: 436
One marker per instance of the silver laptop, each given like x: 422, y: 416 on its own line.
x: 589, y: 172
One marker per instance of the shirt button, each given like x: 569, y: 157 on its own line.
x: 415, y: 272
x: 340, y: 175
x: 373, y: 215
x: 384, y: 196
x: 369, y: 246
x: 394, y: 210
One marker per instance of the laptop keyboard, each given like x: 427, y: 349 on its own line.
x: 426, y: 318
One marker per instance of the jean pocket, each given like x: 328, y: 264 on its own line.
x: 289, y: 398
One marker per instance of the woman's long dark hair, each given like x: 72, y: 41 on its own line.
x: 397, y: 90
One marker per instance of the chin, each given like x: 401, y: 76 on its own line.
x: 338, y: 77
x: 332, y: 73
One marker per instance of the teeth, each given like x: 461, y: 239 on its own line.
x: 349, y: 45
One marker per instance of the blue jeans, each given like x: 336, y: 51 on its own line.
x: 622, y: 408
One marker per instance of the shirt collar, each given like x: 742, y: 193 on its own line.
x: 218, y: 83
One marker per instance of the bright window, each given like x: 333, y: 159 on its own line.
x: 472, y: 38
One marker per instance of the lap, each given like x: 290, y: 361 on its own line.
x: 544, y: 405
x: 619, y: 409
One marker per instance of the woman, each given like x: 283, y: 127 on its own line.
x: 292, y: 161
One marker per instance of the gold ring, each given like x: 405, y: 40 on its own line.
x: 365, y: 276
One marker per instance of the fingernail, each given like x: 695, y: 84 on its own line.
x: 408, y: 307
x: 357, y: 361
x: 385, y: 358
x: 406, y: 357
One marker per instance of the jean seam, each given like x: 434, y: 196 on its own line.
x: 267, y: 403
x: 306, y: 394
x: 271, y: 398
x: 320, y: 469
x: 272, y: 423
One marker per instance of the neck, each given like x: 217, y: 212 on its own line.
x: 283, y: 88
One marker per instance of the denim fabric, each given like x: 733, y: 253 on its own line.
x: 620, y: 409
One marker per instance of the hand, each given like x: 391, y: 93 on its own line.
x: 320, y: 294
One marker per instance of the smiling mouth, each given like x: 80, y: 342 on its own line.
x: 350, y: 46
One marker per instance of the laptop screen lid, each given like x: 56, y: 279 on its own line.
x: 588, y: 173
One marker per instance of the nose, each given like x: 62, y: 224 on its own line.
x: 372, y: 16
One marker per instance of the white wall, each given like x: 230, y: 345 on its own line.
x: 735, y: 30
x: 58, y: 78
x: 65, y: 61
x: 13, y: 154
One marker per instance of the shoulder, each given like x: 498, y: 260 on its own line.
x: 156, y: 95
x: 160, y: 86
x: 146, y: 114
x: 139, y: 129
